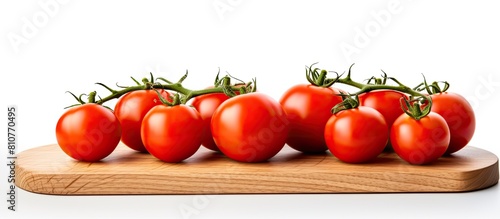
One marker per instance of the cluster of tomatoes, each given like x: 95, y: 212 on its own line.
x: 382, y: 117
x: 250, y: 127
x: 360, y: 134
x: 253, y: 127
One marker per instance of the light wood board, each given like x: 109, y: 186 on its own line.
x: 48, y: 170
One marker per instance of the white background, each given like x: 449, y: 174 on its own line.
x: 79, y: 43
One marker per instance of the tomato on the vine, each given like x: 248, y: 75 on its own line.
x: 420, y: 141
x: 206, y: 106
x: 356, y: 135
x: 130, y: 111
x: 172, y: 133
x: 88, y: 132
x: 308, y: 109
x: 387, y: 102
x: 250, y: 127
x: 459, y: 116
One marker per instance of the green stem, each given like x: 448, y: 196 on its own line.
x: 91, y: 98
x: 350, y: 82
x: 347, y: 80
x: 120, y: 93
x: 372, y: 87
x: 177, y: 87
x: 401, y: 87
x: 322, y: 77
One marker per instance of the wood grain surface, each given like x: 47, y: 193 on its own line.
x: 48, y: 170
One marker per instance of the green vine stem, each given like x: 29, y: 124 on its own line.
x: 417, y: 97
x: 222, y: 86
x: 319, y: 79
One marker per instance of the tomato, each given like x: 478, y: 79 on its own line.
x: 420, y: 141
x: 88, y: 132
x: 356, y: 135
x: 131, y: 109
x: 387, y: 102
x: 172, y: 133
x: 206, y: 106
x: 308, y: 108
x: 250, y: 127
x: 459, y: 116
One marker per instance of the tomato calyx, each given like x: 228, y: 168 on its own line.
x: 348, y: 102
x: 225, y: 81
x: 320, y: 79
x: 416, y: 108
x: 433, y: 88
x: 175, y: 101
x: 78, y: 99
x: 378, y: 81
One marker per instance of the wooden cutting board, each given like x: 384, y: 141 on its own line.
x: 48, y: 170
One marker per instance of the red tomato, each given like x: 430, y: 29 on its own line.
x: 384, y: 101
x: 250, y: 127
x: 420, y: 141
x: 308, y: 108
x: 206, y: 106
x: 172, y: 134
x: 131, y: 109
x: 88, y: 132
x: 356, y: 135
x: 459, y: 116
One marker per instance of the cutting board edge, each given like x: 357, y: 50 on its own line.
x: 473, y: 180
x: 489, y: 177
